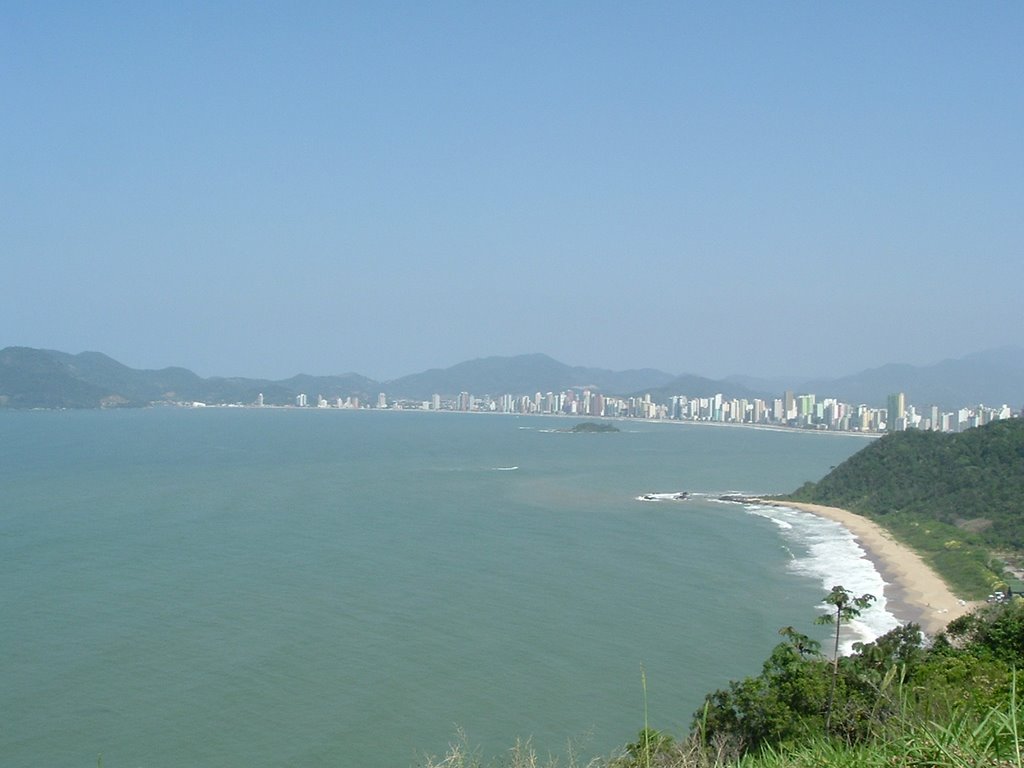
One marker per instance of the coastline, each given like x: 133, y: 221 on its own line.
x: 913, y: 591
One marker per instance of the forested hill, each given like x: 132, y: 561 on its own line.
x: 973, y: 480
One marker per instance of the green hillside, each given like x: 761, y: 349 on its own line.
x: 32, y: 378
x: 46, y: 378
x: 954, y: 497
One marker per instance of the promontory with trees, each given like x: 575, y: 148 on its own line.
x: 958, y: 499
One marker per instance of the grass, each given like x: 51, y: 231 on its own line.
x: 964, y: 741
x: 461, y: 754
x: 966, y: 565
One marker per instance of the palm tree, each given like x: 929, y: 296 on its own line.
x: 847, y: 607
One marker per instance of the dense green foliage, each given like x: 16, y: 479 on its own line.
x: 952, y: 497
x: 883, y: 688
x: 593, y: 426
x: 974, y: 477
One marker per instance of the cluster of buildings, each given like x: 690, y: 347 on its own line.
x: 302, y: 401
x: 803, y: 411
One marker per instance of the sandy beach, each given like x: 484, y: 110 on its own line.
x: 913, y: 591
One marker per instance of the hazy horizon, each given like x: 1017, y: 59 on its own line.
x: 718, y: 190
x: 789, y: 380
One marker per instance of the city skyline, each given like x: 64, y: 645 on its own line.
x: 718, y: 189
x: 53, y: 379
x: 803, y: 411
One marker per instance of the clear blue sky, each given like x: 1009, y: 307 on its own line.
x: 259, y: 189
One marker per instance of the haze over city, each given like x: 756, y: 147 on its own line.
x: 255, y: 191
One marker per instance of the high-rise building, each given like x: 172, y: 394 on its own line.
x: 896, y: 411
x: 805, y: 405
x: 778, y: 409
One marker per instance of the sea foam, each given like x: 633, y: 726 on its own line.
x: 828, y: 552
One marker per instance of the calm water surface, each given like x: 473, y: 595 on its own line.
x: 278, y: 587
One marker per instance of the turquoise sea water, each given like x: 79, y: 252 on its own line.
x: 229, y: 587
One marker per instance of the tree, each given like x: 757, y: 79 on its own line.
x: 801, y: 643
x: 847, y: 607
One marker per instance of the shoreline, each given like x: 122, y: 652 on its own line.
x: 361, y: 409
x: 913, y: 591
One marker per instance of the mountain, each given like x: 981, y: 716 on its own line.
x: 992, y: 377
x: 41, y: 378
x: 135, y: 386
x: 520, y: 375
x: 343, y: 385
x: 44, y: 378
x: 776, y: 385
x: 32, y: 378
x: 699, y: 386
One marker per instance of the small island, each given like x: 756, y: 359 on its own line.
x: 593, y: 426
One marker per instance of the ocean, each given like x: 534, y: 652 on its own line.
x: 286, y: 587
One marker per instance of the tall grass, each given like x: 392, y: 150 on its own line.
x: 461, y: 754
x: 966, y: 740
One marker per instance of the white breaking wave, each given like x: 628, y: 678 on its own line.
x: 504, y: 469
x: 673, y: 496
x: 833, y: 556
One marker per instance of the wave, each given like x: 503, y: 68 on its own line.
x: 472, y: 469
x: 826, y: 551
x: 673, y: 496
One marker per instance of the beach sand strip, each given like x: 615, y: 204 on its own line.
x: 913, y: 591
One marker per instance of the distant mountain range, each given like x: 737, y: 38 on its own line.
x: 992, y: 377
x: 40, y: 378
x: 521, y: 375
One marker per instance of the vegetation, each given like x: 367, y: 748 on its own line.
x: 953, y: 498
x: 894, y: 697
x: 39, y: 378
x: 593, y: 426
x: 897, y: 702
x: 32, y: 379
x: 847, y: 608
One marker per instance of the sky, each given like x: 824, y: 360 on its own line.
x: 263, y: 189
